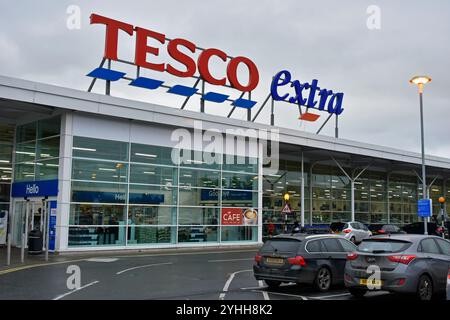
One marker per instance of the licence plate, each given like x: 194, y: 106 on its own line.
x: 373, y: 282
x: 274, y: 261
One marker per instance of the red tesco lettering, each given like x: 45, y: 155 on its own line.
x: 142, y: 50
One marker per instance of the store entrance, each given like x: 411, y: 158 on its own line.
x: 29, y: 214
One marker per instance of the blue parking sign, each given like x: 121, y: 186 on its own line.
x: 424, y: 207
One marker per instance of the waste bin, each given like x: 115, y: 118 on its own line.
x: 35, y: 241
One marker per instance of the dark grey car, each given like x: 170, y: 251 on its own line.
x: 306, y: 259
x: 407, y: 263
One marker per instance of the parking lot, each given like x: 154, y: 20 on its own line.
x: 212, y: 275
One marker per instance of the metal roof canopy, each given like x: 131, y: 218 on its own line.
x: 357, y: 161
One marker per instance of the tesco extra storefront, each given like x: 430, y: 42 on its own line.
x: 112, y: 173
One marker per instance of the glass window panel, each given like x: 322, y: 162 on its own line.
x: 96, y: 236
x: 99, y: 170
x: 152, y: 215
x: 198, y: 216
x: 199, y: 178
x: 96, y: 214
x: 98, y: 192
x: 195, y: 159
x: 239, y: 181
x: 240, y: 233
x: 147, y: 174
x: 197, y: 234
x: 5, y: 154
x: 152, y: 154
x: 25, y: 152
x: 99, y: 149
x: 6, y: 134
x: 24, y: 171
x: 26, y: 132
x: 49, y: 127
x: 199, y: 197
x: 378, y: 207
x: 151, y: 235
x: 5, y: 190
x: 48, y: 148
x: 5, y: 170
x: 240, y: 164
x: 47, y: 170
x: 157, y: 195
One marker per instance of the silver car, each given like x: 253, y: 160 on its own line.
x: 403, y: 263
x: 354, y: 231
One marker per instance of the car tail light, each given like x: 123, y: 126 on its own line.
x: 381, y: 231
x: 440, y: 230
x: 402, y: 258
x: 401, y: 281
x: 352, y: 256
x: 298, y: 260
x: 448, y: 275
x: 258, y: 258
x: 347, y: 231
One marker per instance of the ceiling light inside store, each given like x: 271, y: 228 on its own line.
x: 84, y: 149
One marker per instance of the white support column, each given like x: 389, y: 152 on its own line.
x: 64, y: 176
x: 302, y: 194
x: 260, y: 191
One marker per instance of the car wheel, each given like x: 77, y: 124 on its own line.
x: 425, y: 288
x: 272, y: 283
x: 323, y: 279
x: 357, y: 292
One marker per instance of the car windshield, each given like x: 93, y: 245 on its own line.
x: 383, y: 245
x: 281, y: 245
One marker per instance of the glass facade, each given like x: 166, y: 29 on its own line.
x: 125, y: 194
x: 6, y: 147
x: 37, y: 150
x: 379, y: 197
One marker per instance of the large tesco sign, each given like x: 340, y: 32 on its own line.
x: 174, y: 48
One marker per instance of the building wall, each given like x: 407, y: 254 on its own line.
x: 127, y: 191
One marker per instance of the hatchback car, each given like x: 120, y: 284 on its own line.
x: 353, y: 231
x: 407, y: 263
x: 303, y: 259
x: 418, y: 228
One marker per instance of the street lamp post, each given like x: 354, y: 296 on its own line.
x: 420, y: 81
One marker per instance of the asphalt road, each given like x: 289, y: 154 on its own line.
x: 198, y: 275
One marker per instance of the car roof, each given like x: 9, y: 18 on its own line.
x: 306, y: 236
x: 407, y: 236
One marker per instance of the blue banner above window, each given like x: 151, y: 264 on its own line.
x: 44, y: 188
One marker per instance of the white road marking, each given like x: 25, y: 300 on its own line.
x: 227, y: 284
x: 145, y: 266
x: 182, y: 253
x: 230, y: 260
x: 265, y: 294
x: 102, y: 259
x: 330, y: 296
x: 281, y: 285
x: 284, y: 294
x: 75, y: 290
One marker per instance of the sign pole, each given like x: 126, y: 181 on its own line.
x: 9, y: 235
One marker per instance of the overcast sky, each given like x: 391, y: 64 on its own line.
x: 324, y: 40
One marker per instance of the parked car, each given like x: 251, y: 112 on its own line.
x: 353, y: 231
x: 414, y: 264
x: 377, y: 229
x: 418, y: 228
x: 303, y: 259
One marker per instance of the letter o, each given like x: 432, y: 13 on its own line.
x: 232, y: 74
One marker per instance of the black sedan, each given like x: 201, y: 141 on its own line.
x: 385, y: 229
x: 303, y: 259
